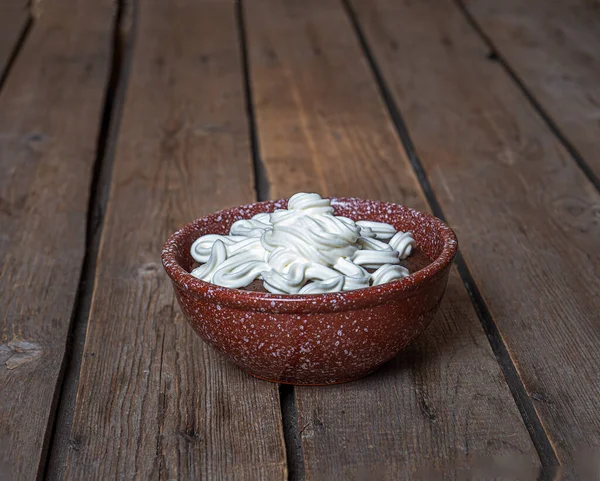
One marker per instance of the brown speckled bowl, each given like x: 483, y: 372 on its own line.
x: 318, y: 338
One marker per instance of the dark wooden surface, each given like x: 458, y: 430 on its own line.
x: 447, y: 389
x: 119, y: 122
x: 526, y: 215
x: 554, y: 49
x: 154, y: 402
x: 50, y: 112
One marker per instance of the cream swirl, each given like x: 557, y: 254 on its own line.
x: 402, y: 242
x: 304, y: 249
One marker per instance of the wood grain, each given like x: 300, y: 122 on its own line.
x: 14, y: 16
x: 154, y: 402
x: 554, y: 48
x: 50, y: 109
x: 526, y: 216
x: 443, y: 404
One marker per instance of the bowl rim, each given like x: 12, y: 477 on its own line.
x: 289, y: 303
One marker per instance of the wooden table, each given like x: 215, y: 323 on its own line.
x: 121, y: 122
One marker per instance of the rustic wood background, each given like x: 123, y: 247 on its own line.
x: 122, y: 120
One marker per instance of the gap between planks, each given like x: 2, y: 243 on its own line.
x: 261, y: 182
x: 60, y: 425
x: 531, y: 420
x: 496, y: 56
x: 291, y: 433
x: 287, y: 393
x: 5, y: 70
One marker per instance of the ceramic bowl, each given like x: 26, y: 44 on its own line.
x: 318, y: 338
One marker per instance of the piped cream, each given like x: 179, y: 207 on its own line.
x: 304, y: 249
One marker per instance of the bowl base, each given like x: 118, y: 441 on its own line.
x: 291, y: 383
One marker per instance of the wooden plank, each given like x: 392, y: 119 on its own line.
x: 443, y: 404
x: 50, y: 112
x: 526, y: 216
x: 154, y: 402
x: 554, y: 48
x: 14, y: 16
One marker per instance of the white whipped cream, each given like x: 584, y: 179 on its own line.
x: 305, y: 249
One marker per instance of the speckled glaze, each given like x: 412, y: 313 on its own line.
x: 318, y: 338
